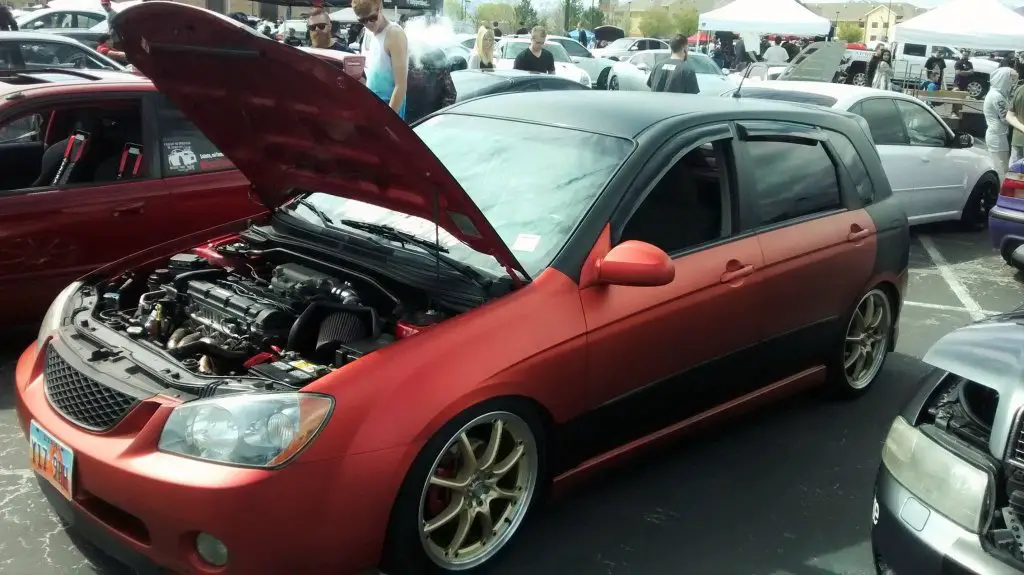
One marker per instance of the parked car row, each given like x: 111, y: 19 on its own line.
x: 329, y: 301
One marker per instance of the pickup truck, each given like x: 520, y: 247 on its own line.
x: 908, y: 66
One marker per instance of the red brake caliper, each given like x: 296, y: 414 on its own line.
x: 438, y: 498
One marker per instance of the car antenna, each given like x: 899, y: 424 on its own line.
x: 746, y: 73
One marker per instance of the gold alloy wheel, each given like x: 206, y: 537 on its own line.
x: 867, y: 339
x: 479, y: 490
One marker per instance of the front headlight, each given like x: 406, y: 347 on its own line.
x: 252, y: 430
x: 55, y: 315
x: 585, y: 78
x: 936, y: 476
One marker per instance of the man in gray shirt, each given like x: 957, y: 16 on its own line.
x: 674, y: 74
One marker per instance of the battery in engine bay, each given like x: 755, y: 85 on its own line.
x: 292, y: 372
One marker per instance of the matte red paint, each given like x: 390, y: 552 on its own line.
x: 637, y: 264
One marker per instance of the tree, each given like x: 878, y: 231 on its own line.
x: 496, y: 12
x: 592, y: 18
x: 657, y: 23
x: 525, y: 13
x: 685, y: 22
x: 572, y: 10
x: 849, y: 32
x: 452, y: 9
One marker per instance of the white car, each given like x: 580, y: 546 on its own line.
x: 60, y: 18
x: 713, y: 81
x: 506, y: 50
x: 623, y: 48
x: 937, y: 174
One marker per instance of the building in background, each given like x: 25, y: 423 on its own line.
x: 875, y: 19
x: 628, y: 14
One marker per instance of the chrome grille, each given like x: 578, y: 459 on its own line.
x: 83, y: 400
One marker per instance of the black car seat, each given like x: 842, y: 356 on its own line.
x: 116, y: 139
x: 53, y: 157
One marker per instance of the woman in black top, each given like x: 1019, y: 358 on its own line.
x: 482, y: 57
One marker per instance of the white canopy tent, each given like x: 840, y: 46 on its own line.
x: 765, y: 17
x: 345, y: 16
x: 974, y: 24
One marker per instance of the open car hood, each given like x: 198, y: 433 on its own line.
x: 818, y: 62
x: 292, y: 122
x: 990, y: 352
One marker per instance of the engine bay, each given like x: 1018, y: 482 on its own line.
x: 230, y: 309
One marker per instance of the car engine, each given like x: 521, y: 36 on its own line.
x: 278, y: 320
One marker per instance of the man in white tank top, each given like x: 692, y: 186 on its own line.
x: 387, y: 54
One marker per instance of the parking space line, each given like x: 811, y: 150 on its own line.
x: 949, y: 276
x: 941, y: 307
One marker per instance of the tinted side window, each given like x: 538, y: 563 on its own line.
x: 689, y: 206
x: 915, y: 50
x: 183, y: 148
x: 574, y: 48
x: 854, y: 165
x: 922, y: 128
x: 884, y: 120
x: 793, y: 180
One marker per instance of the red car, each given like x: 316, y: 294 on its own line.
x: 145, y: 175
x: 433, y: 326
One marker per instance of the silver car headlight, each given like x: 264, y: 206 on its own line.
x: 55, y: 314
x: 585, y: 78
x: 252, y: 430
x: 949, y: 484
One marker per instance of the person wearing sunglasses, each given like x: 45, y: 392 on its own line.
x: 321, y: 31
x: 387, y: 54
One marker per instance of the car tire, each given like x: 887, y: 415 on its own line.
x: 975, y: 213
x: 977, y: 87
x: 859, y: 79
x: 866, y: 335
x: 485, y: 486
x: 613, y: 83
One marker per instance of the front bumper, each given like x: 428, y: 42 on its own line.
x: 910, y: 538
x: 145, y: 507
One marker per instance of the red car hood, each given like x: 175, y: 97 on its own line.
x: 292, y: 122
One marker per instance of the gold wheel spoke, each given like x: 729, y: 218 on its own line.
x: 454, y: 509
x: 486, y: 524
x: 502, y: 493
x: 466, y: 518
x: 493, y: 443
x: 469, y: 458
x: 876, y: 320
x: 858, y: 367
x: 509, y: 462
x: 854, y: 338
x: 857, y: 353
x: 869, y: 311
x: 453, y: 483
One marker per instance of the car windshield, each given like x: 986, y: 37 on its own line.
x: 101, y: 27
x: 703, y: 65
x: 621, y: 44
x: 557, y: 51
x: 573, y: 48
x: 788, y: 96
x: 471, y: 81
x: 534, y: 184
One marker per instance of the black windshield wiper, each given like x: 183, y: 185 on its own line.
x: 396, y: 235
x: 324, y: 218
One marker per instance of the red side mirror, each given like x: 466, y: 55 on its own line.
x: 634, y: 263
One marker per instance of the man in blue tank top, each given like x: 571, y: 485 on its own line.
x: 387, y: 54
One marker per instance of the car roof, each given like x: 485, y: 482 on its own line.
x: 623, y: 114
x: 39, y: 36
x: 844, y: 94
x: 79, y: 9
x: 31, y: 81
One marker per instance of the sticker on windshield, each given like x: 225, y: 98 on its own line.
x: 526, y: 243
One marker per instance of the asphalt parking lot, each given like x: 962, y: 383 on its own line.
x: 787, y: 492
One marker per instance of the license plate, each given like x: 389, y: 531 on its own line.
x: 51, y: 459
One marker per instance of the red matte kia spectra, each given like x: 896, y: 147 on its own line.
x: 432, y: 326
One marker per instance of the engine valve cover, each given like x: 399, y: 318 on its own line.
x: 235, y: 314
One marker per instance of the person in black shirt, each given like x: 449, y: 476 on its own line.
x: 936, y: 64
x: 581, y: 34
x: 7, y: 21
x: 497, y: 31
x: 963, y: 69
x: 430, y: 85
x: 674, y: 74
x: 522, y: 29
x: 321, y: 31
x: 536, y: 58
